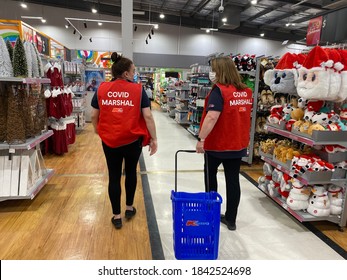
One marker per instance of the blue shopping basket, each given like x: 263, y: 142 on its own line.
x: 196, y: 222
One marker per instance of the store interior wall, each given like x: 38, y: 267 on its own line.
x: 167, y: 40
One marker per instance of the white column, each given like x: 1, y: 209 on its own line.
x: 127, y: 28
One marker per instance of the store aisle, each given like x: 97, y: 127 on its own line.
x: 264, y: 231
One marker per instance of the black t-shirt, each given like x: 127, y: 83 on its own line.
x: 145, y: 103
x: 215, y: 103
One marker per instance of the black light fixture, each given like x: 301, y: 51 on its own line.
x: 149, y: 36
x: 85, y: 25
x: 146, y: 42
x: 135, y: 27
x: 80, y: 37
x: 152, y: 31
x: 90, y: 40
x: 74, y: 31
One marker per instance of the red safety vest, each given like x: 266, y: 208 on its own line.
x: 232, y: 129
x: 120, y: 120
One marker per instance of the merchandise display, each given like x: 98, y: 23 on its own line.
x: 314, y: 152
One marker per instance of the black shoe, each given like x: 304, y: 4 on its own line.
x: 117, y: 223
x: 130, y: 213
x: 223, y: 220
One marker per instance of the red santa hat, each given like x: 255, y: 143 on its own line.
x: 315, y: 58
x: 287, y: 61
x: 334, y: 61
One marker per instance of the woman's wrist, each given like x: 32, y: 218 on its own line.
x: 201, y: 139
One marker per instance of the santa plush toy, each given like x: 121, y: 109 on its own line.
x: 298, y: 195
x: 319, y: 76
x: 276, y: 114
x: 284, y: 186
x: 282, y: 78
x: 274, y: 184
x: 335, y: 194
x: 319, y: 203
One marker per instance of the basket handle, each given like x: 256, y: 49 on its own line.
x: 180, y: 151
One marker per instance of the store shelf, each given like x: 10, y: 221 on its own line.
x: 252, y: 73
x: 318, y: 137
x: 192, y: 132
x: 184, y: 123
x: 29, y: 144
x: 26, y: 80
x: 300, y: 215
x: 35, y: 189
x: 195, y: 108
x: 302, y: 179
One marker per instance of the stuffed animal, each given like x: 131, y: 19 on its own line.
x: 284, y: 188
x: 319, y: 202
x: 315, y: 126
x: 276, y: 114
x: 297, y: 114
x: 282, y: 78
x: 335, y: 194
x: 305, y: 126
x: 320, y: 118
x: 298, y: 196
x: 237, y: 61
x: 274, y: 184
x: 318, y: 77
x: 243, y: 62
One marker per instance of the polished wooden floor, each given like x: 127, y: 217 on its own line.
x: 70, y: 218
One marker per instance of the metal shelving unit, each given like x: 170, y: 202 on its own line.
x: 22, y: 167
x: 318, y: 138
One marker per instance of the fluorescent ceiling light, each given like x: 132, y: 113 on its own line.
x: 254, y: 2
x: 162, y: 15
x: 262, y: 34
x: 99, y: 23
x: 285, y: 42
x: 209, y: 29
x: 94, y: 11
x: 139, y: 12
x: 32, y: 17
x: 23, y: 5
x: 43, y: 20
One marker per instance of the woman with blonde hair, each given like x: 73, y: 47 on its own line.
x: 225, y: 132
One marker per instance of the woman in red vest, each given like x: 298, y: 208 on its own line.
x: 121, y: 116
x: 224, y: 133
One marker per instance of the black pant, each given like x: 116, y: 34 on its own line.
x: 114, y: 158
x: 232, y: 181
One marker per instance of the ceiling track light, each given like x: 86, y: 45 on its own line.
x: 146, y: 42
x: 80, y: 37
x: 23, y: 5
x: 135, y: 27
x: 90, y: 40
x: 94, y: 11
x: 99, y: 23
x: 152, y: 31
x: 85, y: 24
x: 74, y: 31
x: 149, y: 36
x: 162, y: 16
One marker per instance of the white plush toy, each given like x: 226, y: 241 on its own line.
x: 319, y: 203
x: 318, y: 77
x: 298, y: 196
x: 274, y: 184
x: 335, y: 195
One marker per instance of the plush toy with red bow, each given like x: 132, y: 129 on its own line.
x: 335, y: 194
x: 319, y: 202
x: 298, y: 195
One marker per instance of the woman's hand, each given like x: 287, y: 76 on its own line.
x: 153, y: 146
x: 200, y: 147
